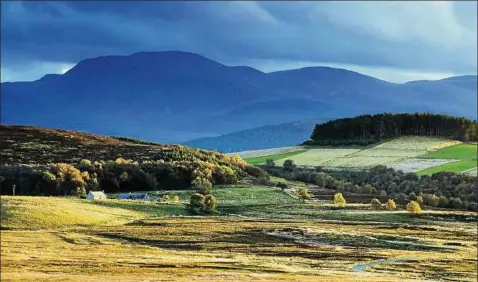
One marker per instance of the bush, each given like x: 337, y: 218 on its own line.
x: 303, y: 194
x: 209, y: 203
x: 339, y: 200
x: 281, y: 185
x: 166, y: 197
x: 412, y: 196
x: 391, y: 205
x: 289, y: 165
x: 413, y: 208
x: 375, y: 204
x: 176, y: 198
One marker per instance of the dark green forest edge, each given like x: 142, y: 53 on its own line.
x: 370, y: 129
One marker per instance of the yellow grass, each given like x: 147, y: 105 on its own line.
x: 121, y: 245
x: 53, y: 212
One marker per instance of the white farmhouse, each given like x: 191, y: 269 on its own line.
x: 96, y: 195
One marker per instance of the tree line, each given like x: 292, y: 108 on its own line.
x: 368, y: 129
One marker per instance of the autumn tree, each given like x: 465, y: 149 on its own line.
x: 413, y: 208
x: 391, y: 205
x: 303, y: 194
x: 339, y: 200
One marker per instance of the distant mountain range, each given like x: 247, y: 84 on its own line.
x: 176, y: 96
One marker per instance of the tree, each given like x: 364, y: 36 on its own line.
x: 413, y: 208
x: 401, y: 199
x: 339, y: 200
x: 196, y: 203
x: 390, y: 205
x: 375, y: 204
x: 289, y: 165
x: 270, y: 163
x: 303, y: 194
x: 456, y: 203
x: 443, y: 202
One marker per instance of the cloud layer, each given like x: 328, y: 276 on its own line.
x: 402, y: 39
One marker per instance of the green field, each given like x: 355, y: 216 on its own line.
x: 466, y: 154
x: 459, y: 166
x: 261, y: 160
x: 462, y: 151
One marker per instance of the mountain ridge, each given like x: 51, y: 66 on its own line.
x: 175, y: 96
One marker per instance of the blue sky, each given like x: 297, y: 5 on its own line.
x: 395, y: 41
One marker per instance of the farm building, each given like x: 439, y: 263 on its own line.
x: 96, y: 195
x: 136, y: 196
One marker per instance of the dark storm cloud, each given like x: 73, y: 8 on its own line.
x: 421, y: 36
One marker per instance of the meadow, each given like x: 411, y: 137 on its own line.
x: 421, y: 154
x: 258, y: 233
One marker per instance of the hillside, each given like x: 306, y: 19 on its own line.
x: 177, y: 96
x: 42, y: 161
x: 264, y: 137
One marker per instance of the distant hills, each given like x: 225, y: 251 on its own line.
x: 269, y: 136
x: 176, y: 96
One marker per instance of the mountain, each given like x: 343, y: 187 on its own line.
x: 177, y: 96
x: 264, y: 137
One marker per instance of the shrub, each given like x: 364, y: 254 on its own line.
x: 303, y: 194
x: 176, y: 198
x: 375, y: 204
x: 289, y: 165
x: 412, y: 196
x: 209, y: 203
x: 391, y: 205
x: 339, y: 200
x: 166, y: 197
x: 383, y: 193
x: 413, y: 208
x: 281, y: 185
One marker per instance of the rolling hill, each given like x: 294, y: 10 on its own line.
x: 176, y: 96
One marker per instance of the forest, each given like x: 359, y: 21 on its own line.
x: 369, y: 129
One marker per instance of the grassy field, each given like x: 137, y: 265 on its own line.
x: 460, y: 166
x: 262, y: 159
x: 462, y: 151
x: 280, y: 238
x: 386, y: 153
x: 219, y: 249
x: 466, y: 154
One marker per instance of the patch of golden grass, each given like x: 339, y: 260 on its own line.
x: 53, y: 212
x: 220, y: 249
